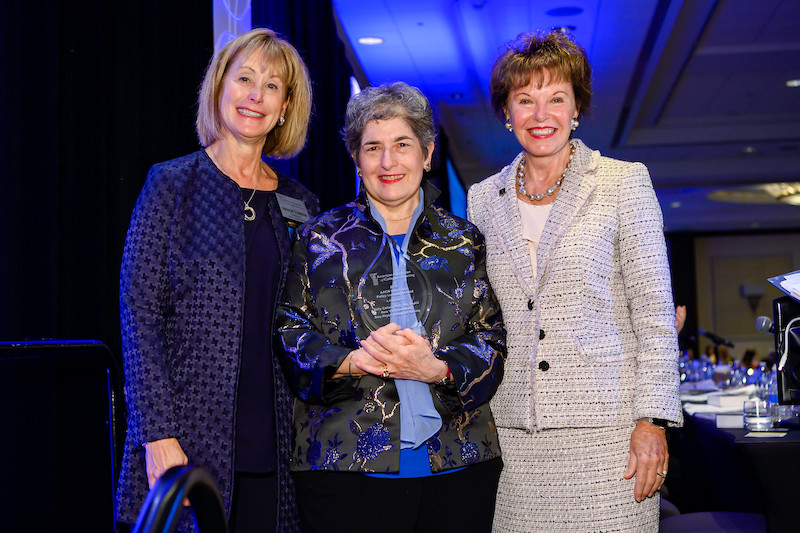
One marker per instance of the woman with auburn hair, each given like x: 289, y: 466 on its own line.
x: 205, y: 261
x: 577, y: 258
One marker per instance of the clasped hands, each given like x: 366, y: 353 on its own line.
x: 392, y: 352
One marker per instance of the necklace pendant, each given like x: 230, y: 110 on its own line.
x: 249, y: 213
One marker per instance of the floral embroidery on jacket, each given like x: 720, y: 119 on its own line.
x: 356, y: 421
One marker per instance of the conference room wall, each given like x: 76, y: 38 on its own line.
x: 724, y: 263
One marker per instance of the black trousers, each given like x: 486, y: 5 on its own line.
x: 463, y: 501
x: 254, y: 506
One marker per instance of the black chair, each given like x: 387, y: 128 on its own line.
x: 714, y: 522
x: 60, y: 403
x: 164, y: 502
x: 667, y: 509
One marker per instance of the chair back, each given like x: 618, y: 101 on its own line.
x: 60, y: 402
x: 165, y: 502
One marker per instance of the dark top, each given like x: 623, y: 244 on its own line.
x: 256, y: 437
x: 182, y: 298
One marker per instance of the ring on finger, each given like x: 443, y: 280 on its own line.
x: 385, y: 373
x: 663, y: 474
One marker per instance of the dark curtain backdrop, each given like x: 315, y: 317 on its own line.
x: 93, y: 93
x: 324, y: 165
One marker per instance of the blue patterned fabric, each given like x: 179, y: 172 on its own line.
x: 354, y: 424
x: 419, y: 420
x: 181, y: 302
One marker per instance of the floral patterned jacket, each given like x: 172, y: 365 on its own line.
x: 354, y: 424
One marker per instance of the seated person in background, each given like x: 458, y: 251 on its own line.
x: 711, y: 353
x: 680, y: 317
x: 749, y: 359
x: 723, y: 356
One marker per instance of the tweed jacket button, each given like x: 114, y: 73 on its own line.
x: 502, y: 191
x: 530, y: 305
x: 544, y: 366
x: 541, y: 334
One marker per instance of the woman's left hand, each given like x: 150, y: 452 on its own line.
x: 648, y: 459
x: 401, y: 354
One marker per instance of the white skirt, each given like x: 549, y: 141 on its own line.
x: 569, y: 480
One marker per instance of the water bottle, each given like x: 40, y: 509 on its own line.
x: 683, y: 363
x: 762, y: 381
x: 777, y: 411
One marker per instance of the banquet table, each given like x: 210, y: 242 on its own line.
x: 715, y: 469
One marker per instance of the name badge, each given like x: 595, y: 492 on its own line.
x: 292, y: 209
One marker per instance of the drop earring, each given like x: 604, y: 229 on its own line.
x: 574, y: 124
x: 508, y: 125
x: 281, y: 121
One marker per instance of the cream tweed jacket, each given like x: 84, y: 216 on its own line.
x: 591, y: 335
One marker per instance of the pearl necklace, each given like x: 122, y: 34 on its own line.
x: 551, y: 190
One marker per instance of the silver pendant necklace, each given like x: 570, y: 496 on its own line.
x: 249, y: 212
x: 551, y: 190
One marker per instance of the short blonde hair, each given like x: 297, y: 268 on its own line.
x: 283, y: 141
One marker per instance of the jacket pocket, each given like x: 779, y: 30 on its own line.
x: 597, y: 347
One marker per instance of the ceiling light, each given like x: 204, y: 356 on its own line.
x: 793, y: 199
x: 370, y: 41
x: 788, y: 193
x: 565, y: 11
x: 749, y: 150
x: 793, y: 83
x: 767, y: 193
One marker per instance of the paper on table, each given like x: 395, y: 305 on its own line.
x: 694, y: 408
x: 747, y: 390
x: 729, y: 420
x: 788, y: 283
x: 731, y: 398
x: 766, y: 434
x: 704, y: 385
x: 695, y: 398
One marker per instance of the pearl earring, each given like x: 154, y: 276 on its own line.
x: 574, y: 123
x: 508, y: 124
x: 281, y: 121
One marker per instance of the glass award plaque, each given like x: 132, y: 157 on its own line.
x: 377, y: 290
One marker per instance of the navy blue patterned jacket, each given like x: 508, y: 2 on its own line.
x: 354, y: 424
x: 181, y: 300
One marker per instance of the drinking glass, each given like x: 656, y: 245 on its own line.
x: 756, y: 415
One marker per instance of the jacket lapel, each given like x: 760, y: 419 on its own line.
x: 507, y: 224
x: 576, y: 188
